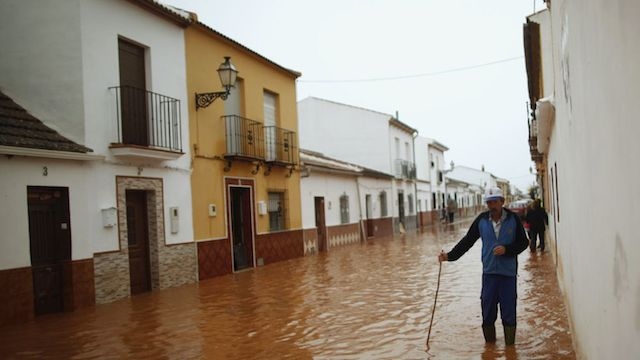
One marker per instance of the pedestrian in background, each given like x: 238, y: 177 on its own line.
x: 503, y: 238
x: 452, y: 206
x: 538, y: 220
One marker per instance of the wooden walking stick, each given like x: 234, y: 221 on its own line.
x: 434, y: 303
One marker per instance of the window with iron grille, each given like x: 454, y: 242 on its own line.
x: 383, y: 204
x: 276, y: 210
x: 344, y: 209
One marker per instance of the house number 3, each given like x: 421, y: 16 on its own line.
x: 45, y: 171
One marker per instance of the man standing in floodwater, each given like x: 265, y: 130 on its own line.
x: 503, y: 238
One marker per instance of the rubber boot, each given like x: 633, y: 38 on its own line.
x: 489, y: 333
x: 509, y: 335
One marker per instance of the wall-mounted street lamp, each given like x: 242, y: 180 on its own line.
x: 228, y: 75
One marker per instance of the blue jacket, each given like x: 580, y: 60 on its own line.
x: 512, y: 237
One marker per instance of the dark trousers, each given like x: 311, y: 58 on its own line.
x: 451, y: 215
x: 534, y: 233
x: 498, y: 289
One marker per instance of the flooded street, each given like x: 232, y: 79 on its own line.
x: 366, y: 301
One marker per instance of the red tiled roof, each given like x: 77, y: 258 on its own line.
x: 20, y: 129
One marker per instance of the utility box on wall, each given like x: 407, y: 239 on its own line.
x: 109, y: 217
x: 212, y: 210
x: 174, y: 216
x: 262, y: 208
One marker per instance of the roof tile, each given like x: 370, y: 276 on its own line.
x: 19, y: 128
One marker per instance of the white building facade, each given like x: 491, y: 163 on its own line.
x: 342, y: 203
x: 430, y: 170
x: 109, y: 75
x: 584, y: 82
x: 371, y: 140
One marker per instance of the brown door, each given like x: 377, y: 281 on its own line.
x: 50, y: 245
x: 369, y: 219
x: 321, y: 227
x: 133, y: 94
x: 401, y: 208
x: 241, y: 233
x: 137, y: 231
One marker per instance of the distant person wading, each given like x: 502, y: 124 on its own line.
x: 538, y: 220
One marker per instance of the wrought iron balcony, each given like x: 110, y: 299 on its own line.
x: 533, y: 140
x: 251, y: 141
x: 244, y: 137
x: 149, y: 124
x: 405, y: 169
x: 280, y: 146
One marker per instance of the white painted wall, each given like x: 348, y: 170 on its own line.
x: 356, y: 135
x: 483, y: 179
x: 373, y: 186
x: 427, y: 175
x: 40, y: 66
x: 18, y: 171
x: 331, y: 187
x: 594, y: 143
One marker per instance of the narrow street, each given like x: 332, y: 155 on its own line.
x: 365, y: 301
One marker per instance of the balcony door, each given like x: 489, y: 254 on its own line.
x: 134, y: 124
x: 234, y: 126
x: 270, y: 134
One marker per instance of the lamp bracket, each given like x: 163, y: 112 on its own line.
x: 205, y: 99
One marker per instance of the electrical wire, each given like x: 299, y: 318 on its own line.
x: 401, y: 77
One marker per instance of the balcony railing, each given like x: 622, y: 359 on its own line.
x: 280, y: 146
x: 245, y: 138
x: 405, y: 169
x: 533, y: 128
x: 533, y: 140
x: 147, y: 119
x: 249, y: 140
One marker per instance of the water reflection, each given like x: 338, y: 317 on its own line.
x: 367, y: 301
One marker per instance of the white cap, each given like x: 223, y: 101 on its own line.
x: 493, y: 193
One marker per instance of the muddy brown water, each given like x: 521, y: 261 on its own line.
x: 366, y: 301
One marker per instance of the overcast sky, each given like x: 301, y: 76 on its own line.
x: 454, y: 69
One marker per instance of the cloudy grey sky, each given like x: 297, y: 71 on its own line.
x: 454, y: 70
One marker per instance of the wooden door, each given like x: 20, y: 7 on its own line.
x: 133, y: 104
x: 369, y: 219
x: 241, y: 228
x: 401, y: 208
x: 50, y: 245
x: 138, y: 239
x: 321, y: 227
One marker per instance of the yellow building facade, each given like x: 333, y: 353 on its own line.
x: 245, y: 183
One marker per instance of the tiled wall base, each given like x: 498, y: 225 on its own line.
x: 343, y: 234
x: 214, y: 258
x: 279, y: 246
x: 16, y: 296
